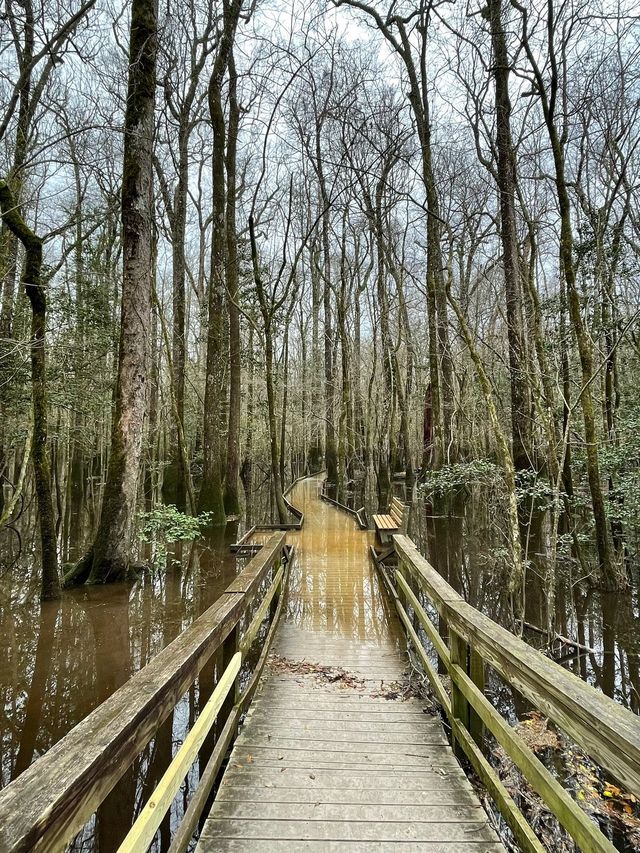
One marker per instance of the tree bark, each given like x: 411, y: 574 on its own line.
x: 231, y: 497
x: 109, y: 558
x: 34, y: 288
x: 506, y: 179
x: 211, y: 497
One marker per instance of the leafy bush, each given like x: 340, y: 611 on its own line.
x: 165, y: 524
x: 478, y: 471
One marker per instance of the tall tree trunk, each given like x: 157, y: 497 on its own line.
x: 174, y: 485
x: 315, y: 443
x: 108, y: 559
x: 506, y: 179
x: 274, y: 456
x: 211, y: 491
x: 34, y: 288
x: 548, y: 91
x: 231, y: 497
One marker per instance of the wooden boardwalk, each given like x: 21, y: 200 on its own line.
x: 331, y: 757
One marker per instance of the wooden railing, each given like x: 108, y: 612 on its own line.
x: 360, y: 515
x: 607, y: 732
x: 48, y: 804
x: 244, y: 547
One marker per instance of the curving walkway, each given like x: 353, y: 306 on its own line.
x: 331, y: 757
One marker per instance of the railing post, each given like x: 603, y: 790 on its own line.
x: 276, y: 598
x: 476, y: 673
x: 229, y: 648
x: 402, y: 598
x: 458, y: 651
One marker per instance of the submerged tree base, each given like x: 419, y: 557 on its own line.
x: 87, y: 571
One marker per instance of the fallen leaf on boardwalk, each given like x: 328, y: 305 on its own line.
x: 321, y: 673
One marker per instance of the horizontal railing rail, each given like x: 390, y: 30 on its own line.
x: 359, y: 514
x: 606, y: 731
x: 48, y: 804
x: 244, y: 547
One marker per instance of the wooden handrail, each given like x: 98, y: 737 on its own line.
x: 47, y: 805
x: 607, y: 732
x: 358, y: 514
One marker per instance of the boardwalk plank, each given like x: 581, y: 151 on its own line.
x: 346, y: 779
x: 229, y: 845
x: 346, y: 830
x: 336, y: 812
x: 378, y: 796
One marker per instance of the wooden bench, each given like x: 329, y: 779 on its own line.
x: 393, y: 522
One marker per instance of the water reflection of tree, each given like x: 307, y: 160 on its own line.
x: 109, y: 622
x: 41, y: 671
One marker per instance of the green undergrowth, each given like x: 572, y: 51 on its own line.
x: 165, y: 524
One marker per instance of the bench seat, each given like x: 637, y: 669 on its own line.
x: 385, y: 522
x: 392, y: 521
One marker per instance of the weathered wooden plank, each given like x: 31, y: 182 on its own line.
x: 434, y: 796
x: 315, y: 762
x: 609, y: 733
x: 260, y: 614
x: 182, y: 838
x: 318, y: 756
x: 248, y: 581
x: 301, y: 703
x: 522, y: 832
x: 144, y: 829
x: 294, y: 830
x: 378, y: 717
x: 398, y: 728
x: 434, y: 680
x: 229, y: 845
x: 246, y: 809
x: 348, y: 741
x: 348, y: 779
x: 568, y: 812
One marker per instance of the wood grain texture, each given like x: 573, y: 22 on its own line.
x: 288, y: 780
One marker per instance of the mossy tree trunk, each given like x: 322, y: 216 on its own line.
x: 267, y: 317
x: 34, y: 288
x: 109, y: 557
x: 548, y: 91
x: 231, y: 496
x: 211, y: 497
x: 505, y: 176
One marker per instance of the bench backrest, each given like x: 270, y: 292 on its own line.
x: 397, y: 510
